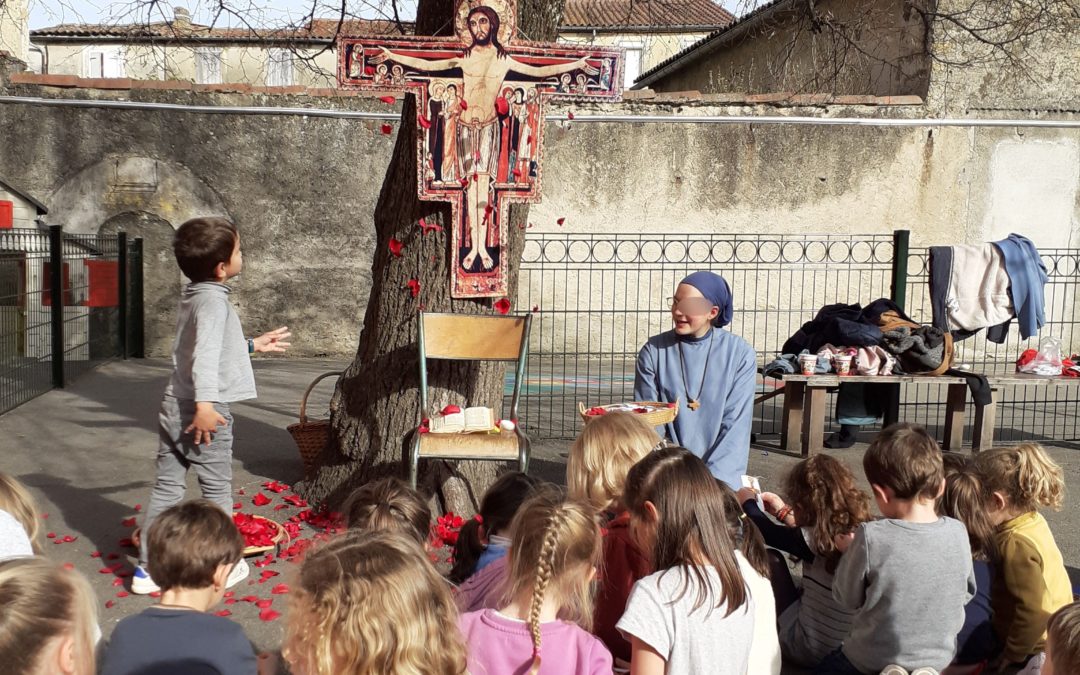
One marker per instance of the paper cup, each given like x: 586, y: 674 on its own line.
x: 807, y: 362
x: 842, y: 364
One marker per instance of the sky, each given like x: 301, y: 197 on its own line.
x: 45, y: 13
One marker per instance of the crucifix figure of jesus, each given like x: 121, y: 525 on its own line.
x: 483, y: 149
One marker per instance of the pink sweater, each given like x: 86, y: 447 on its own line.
x: 481, y: 590
x: 502, y: 646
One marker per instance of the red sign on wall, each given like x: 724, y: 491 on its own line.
x: 7, y: 215
x: 103, y: 281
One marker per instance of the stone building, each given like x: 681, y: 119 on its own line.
x: 181, y: 50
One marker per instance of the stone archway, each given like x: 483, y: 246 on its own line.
x: 148, y: 198
x: 162, y: 279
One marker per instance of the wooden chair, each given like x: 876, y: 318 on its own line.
x: 468, y: 337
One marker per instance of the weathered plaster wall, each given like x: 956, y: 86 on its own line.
x: 881, y: 54
x: 14, y: 27
x: 303, y: 189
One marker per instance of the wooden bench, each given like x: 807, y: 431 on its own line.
x: 804, y: 406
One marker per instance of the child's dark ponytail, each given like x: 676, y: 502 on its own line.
x: 497, y: 510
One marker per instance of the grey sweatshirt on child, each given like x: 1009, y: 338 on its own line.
x: 210, y: 354
x: 908, y: 583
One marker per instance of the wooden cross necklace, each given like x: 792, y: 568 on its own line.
x: 695, y: 401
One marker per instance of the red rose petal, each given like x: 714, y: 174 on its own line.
x: 250, y: 598
x: 117, y: 582
x: 260, y: 500
x: 126, y: 542
x: 569, y: 115
x: 414, y: 287
x: 386, y: 129
x: 68, y: 538
x: 464, y: 104
x: 230, y: 601
x: 229, y: 594
x: 128, y: 522
x: 109, y: 604
x: 240, y: 492
x: 536, y: 308
x: 138, y: 507
x: 237, y: 506
x: 424, y: 122
x: 266, y: 574
x: 502, y: 106
x: 281, y: 506
x: 502, y: 306
x: 395, y: 247
x: 388, y: 99
x: 263, y: 604
x: 69, y: 566
x: 155, y: 594
x: 280, y: 589
x: 269, y: 614
x: 51, y: 535
x: 560, y: 221
x: 113, y: 556
x: 451, y: 409
x: 223, y: 612
x: 95, y: 554
x: 121, y: 594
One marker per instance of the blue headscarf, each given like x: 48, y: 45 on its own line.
x: 716, y: 290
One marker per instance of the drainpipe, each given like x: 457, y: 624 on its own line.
x: 44, y: 57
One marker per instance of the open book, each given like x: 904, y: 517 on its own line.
x: 468, y: 421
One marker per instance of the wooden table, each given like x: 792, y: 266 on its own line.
x: 804, y: 406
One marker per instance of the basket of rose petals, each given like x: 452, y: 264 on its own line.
x: 260, y: 534
x: 654, y: 413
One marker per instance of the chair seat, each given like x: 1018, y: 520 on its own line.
x: 502, y: 444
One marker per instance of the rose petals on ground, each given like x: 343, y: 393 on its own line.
x: 250, y: 598
x: 126, y: 542
x: 269, y: 614
x: 109, y: 604
x: 117, y: 581
x: 280, y: 589
x: 230, y: 601
x: 138, y: 507
x: 113, y: 556
x: 68, y: 538
x: 223, y: 612
x: 51, y: 535
x: 263, y: 604
x: 266, y: 574
x: 560, y: 221
x: 128, y: 522
x: 260, y: 500
x: 95, y: 554
x: 295, y: 500
x: 274, y: 486
x: 69, y: 566
x: 121, y: 594
x: 155, y: 594
x: 237, y: 506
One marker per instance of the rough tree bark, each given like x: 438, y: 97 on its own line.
x: 377, y: 402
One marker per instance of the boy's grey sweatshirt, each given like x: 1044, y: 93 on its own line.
x: 210, y: 354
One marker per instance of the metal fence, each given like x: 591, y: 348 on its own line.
x: 598, y: 297
x: 67, y: 303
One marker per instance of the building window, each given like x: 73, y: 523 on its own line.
x: 104, y: 61
x: 208, y: 65
x: 279, y: 68
x: 633, y: 65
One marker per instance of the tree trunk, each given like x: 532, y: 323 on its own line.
x: 377, y: 401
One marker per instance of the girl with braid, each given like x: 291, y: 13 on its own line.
x: 542, y: 625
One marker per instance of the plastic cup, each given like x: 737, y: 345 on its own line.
x: 807, y: 362
x: 842, y: 364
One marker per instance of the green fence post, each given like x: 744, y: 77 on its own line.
x: 122, y: 291
x: 901, y: 243
x: 56, y: 298
x: 137, y: 316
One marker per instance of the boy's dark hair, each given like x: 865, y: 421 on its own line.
x: 907, y: 460
x: 497, y: 509
x: 188, y: 542
x: 389, y: 505
x: 201, y: 243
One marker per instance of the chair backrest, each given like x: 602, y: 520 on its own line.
x: 473, y: 337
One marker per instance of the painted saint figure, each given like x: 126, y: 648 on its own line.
x: 484, y: 66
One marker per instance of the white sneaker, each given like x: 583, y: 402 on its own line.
x: 239, y: 572
x: 925, y: 671
x: 141, y: 583
x: 894, y: 670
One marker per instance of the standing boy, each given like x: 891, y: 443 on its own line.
x: 211, y: 369
x: 909, y: 575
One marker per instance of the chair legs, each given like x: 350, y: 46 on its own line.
x: 523, y: 455
x: 412, y: 461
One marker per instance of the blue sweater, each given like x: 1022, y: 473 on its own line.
x: 718, y: 431
x: 1027, y: 277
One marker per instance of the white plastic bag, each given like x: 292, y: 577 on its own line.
x: 1047, y: 361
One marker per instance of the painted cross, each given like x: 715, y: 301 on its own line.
x: 480, y: 108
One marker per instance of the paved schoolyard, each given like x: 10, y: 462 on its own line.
x: 86, y: 452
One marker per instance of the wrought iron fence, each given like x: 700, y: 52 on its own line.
x: 65, y: 304
x: 598, y: 297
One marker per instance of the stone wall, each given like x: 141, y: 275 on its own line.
x: 303, y: 188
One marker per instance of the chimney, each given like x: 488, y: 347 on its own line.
x: 181, y: 17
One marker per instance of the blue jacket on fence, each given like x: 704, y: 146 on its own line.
x: 1027, y: 277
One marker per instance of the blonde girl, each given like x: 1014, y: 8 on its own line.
x: 600, y: 459
x: 389, y: 505
x: 19, y: 535
x: 48, y: 624
x: 695, y: 613
x: 825, y: 508
x: 370, y: 604
x: 1030, y: 583
x: 542, y: 625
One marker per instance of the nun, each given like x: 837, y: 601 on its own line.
x: 712, y: 372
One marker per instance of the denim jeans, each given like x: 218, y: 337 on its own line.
x: 177, y: 453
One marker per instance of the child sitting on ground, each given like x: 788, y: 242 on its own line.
x: 908, y: 576
x: 600, y: 458
x: 18, y: 520
x: 964, y: 500
x: 1030, y: 582
x: 371, y: 603
x: 389, y: 505
x: 211, y: 370
x: 542, y: 627
x: 754, y: 563
x: 694, y: 614
x: 193, y: 548
x: 483, y: 541
x: 48, y: 623
x: 826, y: 507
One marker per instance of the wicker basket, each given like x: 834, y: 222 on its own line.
x: 655, y: 418
x: 278, y: 539
x: 310, y: 435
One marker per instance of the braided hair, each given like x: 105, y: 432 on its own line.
x: 558, y: 561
